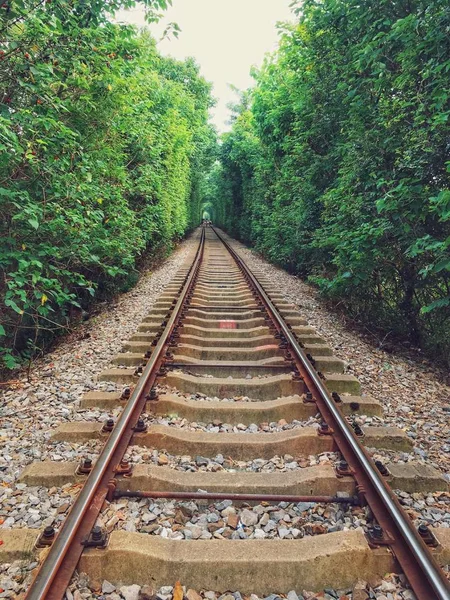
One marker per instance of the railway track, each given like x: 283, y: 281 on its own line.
x: 221, y: 346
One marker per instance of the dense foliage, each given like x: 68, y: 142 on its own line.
x: 337, y: 165
x: 103, y: 144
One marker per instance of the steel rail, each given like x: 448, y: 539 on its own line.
x: 237, y: 497
x: 56, y: 571
x: 426, y: 578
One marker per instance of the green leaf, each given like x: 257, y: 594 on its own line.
x: 442, y: 265
x: 10, y: 361
x: 33, y: 222
x: 9, y: 302
x: 441, y: 303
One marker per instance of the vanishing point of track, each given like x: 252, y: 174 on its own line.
x: 391, y: 525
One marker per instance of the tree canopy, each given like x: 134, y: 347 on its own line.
x: 337, y: 165
x: 103, y: 148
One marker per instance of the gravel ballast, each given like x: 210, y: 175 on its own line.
x: 412, y: 391
x: 29, y: 410
x: 224, y: 520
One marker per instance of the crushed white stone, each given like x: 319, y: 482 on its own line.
x: 29, y: 410
x: 414, y: 392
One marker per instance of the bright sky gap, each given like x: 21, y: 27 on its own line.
x: 226, y: 39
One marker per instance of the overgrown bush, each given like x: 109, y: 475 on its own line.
x: 338, y: 164
x: 103, y: 143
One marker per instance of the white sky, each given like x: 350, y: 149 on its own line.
x: 226, y: 37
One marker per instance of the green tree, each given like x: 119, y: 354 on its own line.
x: 343, y: 172
x: 101, y: 139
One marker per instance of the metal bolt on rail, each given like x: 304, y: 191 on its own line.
x: 126, y: 393
x: 308, y: 398
x: 46, y: 538
x: 336, y: 397
x: 325, y: 429
x: 427, y: 535
x: 357, y: 429
x: 141, y: 426
x: 108, y: 426
x: 98, y: 538
x: 85, y: 467
x: 311, y: 359
x: 153, y: 395
x: 376, y: 534
x: 343, y: 469
x: 382, y: 468
x: 296, y: 375
x: 123, y: 468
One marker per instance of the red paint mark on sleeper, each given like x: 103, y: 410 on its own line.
x: 228, y: 325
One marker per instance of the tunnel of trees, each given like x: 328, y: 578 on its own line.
x: 336, y: 166
x: 208, y: 211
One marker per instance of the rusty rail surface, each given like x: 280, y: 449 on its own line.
x: 57, y: 569
x: 426, y: 578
